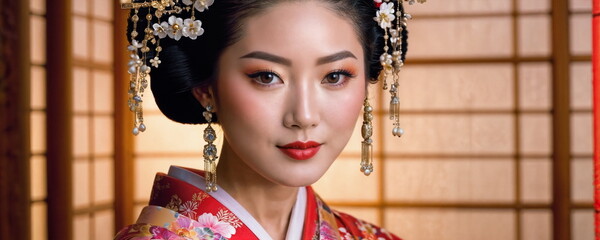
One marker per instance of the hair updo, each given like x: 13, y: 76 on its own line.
x: 187, y: 63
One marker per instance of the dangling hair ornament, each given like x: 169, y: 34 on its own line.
x: 147, y: 44
x: 391, y: 60
x: 393, y: 55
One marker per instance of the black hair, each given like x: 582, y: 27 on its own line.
x: 186, y: 64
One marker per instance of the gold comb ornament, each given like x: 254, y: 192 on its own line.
x: 162, y: 21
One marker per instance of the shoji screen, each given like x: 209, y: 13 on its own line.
x: 93, y: 120
x: 477, y: 105
x: 38, y: 119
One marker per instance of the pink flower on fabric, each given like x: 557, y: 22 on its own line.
x: 185, y: 227
x: 159, y: 233
x: 211, y: 222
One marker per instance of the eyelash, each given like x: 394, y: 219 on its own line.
x: 342, y: 72
x: 255, y: 75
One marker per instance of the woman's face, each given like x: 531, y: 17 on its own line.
x: 290, y: 90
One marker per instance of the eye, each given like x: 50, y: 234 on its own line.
x: 337, y: 77
x: 265, y: 78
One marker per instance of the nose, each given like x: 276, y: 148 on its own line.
x: 302, y: 107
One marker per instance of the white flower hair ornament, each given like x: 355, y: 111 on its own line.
x: 145, y: 47
x: 392, y: 18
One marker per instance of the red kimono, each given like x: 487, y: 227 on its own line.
x: 180, y: 209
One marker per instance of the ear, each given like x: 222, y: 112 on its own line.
x: 205, y: 96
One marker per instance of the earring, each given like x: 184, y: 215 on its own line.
x: 366, y: 163
x: 210, y: 152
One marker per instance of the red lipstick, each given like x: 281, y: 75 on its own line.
x: 300, y: 150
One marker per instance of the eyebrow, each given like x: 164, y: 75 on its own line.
x: 268, y: 57
x: 335, y: 57
x: 284, y: 61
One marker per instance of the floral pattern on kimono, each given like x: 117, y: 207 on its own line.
x: 180, y: 227
x: 180, y: 211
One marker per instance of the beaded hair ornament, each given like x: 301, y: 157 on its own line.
x: 392, y: 63
x: 393, y: 20
x: 165, y: 21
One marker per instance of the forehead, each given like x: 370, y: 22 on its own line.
x: 297, y: 29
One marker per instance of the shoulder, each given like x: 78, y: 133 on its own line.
x: 353, y: 228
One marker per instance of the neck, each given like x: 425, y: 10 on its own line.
x: 269, y: 203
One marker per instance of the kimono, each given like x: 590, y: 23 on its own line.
x: 179, y: 209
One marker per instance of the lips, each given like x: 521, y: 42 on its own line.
x: 301, y: 150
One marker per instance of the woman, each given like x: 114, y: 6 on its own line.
x: 287, y: 81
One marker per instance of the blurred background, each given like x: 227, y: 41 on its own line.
x: 496, y: 104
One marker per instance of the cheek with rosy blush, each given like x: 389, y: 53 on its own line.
x: 240, y: 100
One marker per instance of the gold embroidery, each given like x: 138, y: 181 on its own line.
x: 198, y: 197
x: 157, y: 187
x: 174, y: 203
x: 225, y: 215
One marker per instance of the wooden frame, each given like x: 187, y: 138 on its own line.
x: 596, y: 103
x: 124, y: 167
x: 561, y: 116
x: 59, y: 119
x: 15, y: 198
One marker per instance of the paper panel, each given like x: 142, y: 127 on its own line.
x: 453, y: 134
x: 536, y: 181
x: 467, y: 37
x: 37, y: 42
x: 450, y: 180
x: 580, y: 34
x: 536, y: 225
x: 582, y: 179
x: 535, y: 86
x: 456, y: 87
x: 535, y: 35
x: 536, y: 133
x: 103, y: 181
x: 81, y: 36
x: 103, y: 92
x: 103, y: 135
x: 581, y: 133
x: 451, y: 224
x: 103, y: 41
x: 581, y: 85
x: 582, y: 222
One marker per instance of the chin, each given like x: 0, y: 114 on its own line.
x: 299, y: 177
x: 299, y: 182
